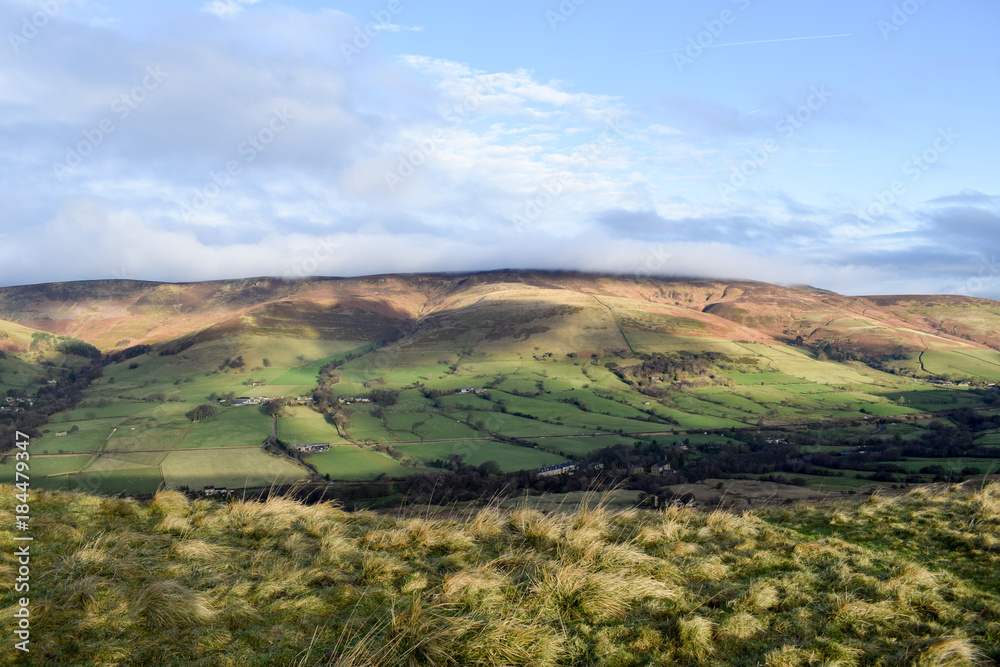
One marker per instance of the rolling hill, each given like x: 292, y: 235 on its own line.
x: 116, y: 314
x: 524, y: 368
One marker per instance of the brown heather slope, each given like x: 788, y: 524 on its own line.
x: 597, y: 311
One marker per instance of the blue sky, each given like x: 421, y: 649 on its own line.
x: 848, y: 145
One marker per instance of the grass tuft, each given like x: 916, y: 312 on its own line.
x: 948, y: 652
x: 168, y: 604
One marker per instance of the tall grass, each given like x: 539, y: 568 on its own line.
x: 907, y: 580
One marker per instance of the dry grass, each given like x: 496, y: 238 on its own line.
x: 948, y: 652
x: 908, y: 580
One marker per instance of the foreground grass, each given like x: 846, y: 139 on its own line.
x: 902, y: 581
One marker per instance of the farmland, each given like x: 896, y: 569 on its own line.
x: 519, y: 375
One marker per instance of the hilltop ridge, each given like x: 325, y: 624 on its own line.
x: 113, y: 314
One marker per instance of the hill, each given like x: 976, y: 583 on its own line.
x: 904, y: 580
x: 400, y: 374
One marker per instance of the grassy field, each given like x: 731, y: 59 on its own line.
x: 232, y: 468
x: 509, y: 457
x: 955, y: 465
x: 580, y: 446
x: 42, y: 468
x: 142, y: 409
x: 881, y: 581
x: 963, y: 364
x: 350, y: 462
x: 300, y: 425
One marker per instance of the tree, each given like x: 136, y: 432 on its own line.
x: 385, y: 397
x: 274, y: 406
x: 487, y: 468
x: 266, y: 362
x: 203, y: 412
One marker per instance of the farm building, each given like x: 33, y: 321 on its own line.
x: 661, y: 468
x: 313, y: 448
x: 561, y: 469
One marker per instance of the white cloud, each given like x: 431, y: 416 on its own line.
x: 501, y: 169
x: 124, y: 242
x: 227, y: 8
x: 392, y: 27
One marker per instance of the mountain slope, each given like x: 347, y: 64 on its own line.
x: 523, y: 369
x: 116, y: 314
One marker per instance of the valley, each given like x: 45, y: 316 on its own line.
x: 515, y: 371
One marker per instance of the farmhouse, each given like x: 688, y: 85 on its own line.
x: 561, y: 469
x: 218, y: 491
x: 661, y: 468
x: 252, y: 400
x: 312, y: 448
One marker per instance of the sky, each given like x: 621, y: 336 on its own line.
x: 850, y: 146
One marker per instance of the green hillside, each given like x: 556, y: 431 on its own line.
x: 490, y: 367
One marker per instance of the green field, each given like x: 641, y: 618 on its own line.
x: 234, y: 468
x: 234, y: 427
x: 955, y: 465
x: 300, y: 425
x: 963, y: 364
x: 509, y: 457
x: 41, y: 468
x: 580, y: 447
x: 350, y: 462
